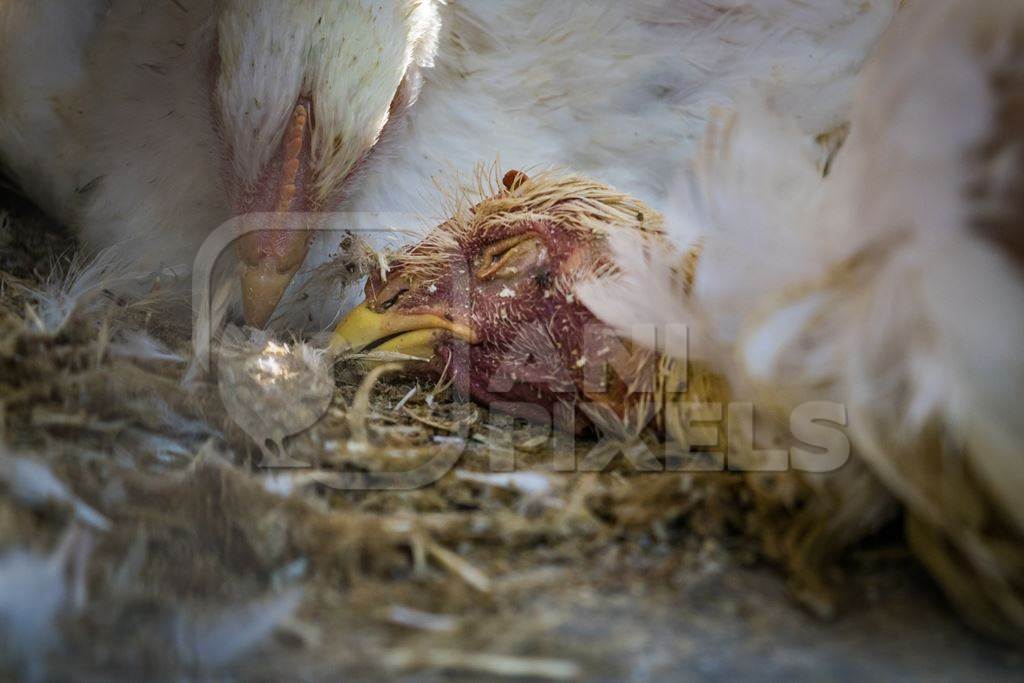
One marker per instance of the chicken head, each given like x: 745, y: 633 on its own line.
x: 487, y: 299
x: 302, y: 94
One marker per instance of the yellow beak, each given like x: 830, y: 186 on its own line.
x: 411, y: 335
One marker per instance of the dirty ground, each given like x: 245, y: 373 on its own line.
x: 139, y: 537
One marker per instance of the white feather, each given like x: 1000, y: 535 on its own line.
x: 619, y: 91
x: 212, y: 641
x: 879, y: 287
x: 33, y: 484
x: 34, y: 592
x: 42, y: 62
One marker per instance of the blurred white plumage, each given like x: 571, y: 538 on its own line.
x: 159, y: 121
x: 894, y: 287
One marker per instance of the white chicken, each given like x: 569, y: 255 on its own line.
x: 156, y: 122
x: 894, y: 287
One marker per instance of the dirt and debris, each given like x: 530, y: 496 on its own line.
x: 143, y: 535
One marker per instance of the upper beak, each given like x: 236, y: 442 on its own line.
x: 409, y: 334
x: 266, y: 273
x: 276, y: 242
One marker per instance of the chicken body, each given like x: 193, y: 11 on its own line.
x: 889, y: 289
x: 893, y: 288
x: 155, y: 123
x: 168, y: 119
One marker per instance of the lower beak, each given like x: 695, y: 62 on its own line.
x: 411, y: 335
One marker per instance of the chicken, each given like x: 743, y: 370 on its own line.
x: 166, y: 119
x: 486, y: 300
x: 152, y: 124
x: 890, y: 290
x: 893, y: 287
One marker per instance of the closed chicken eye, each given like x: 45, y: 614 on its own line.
x: 509, y: 257
x: 389, y: 303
